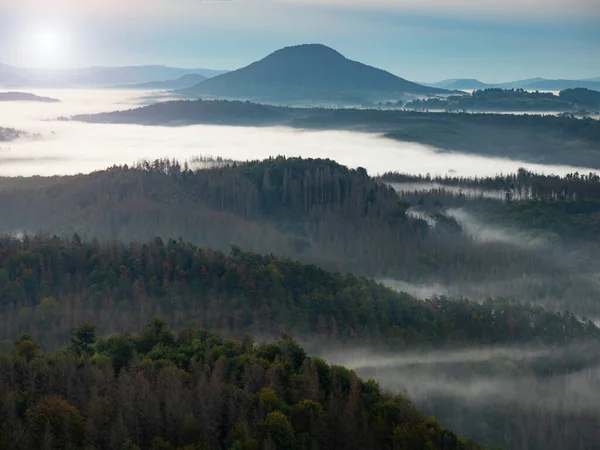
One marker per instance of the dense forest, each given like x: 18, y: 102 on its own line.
x: 533, y: 138
x: 567, y: 206
x: 194, y: 390
x: 119, y: 262
x: 495, y: 99
x: 315, y: 211
x: 49, y: 286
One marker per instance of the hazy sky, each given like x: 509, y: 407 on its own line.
x: 425, y: 40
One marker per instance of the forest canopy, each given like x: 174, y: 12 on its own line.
x: 195, y: 390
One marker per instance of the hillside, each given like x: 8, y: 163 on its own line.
x: 559, y: 85
x: 49, y: 286
x: 314, y: 211
x: 126, y: 266
x: 461, y: 83
x: 183, y: 82
x: 195, y: 390
x: 25, y: 97
x: 9, y: 79
x: 304, y: 73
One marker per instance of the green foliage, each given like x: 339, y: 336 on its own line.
x: 190, y: 285
x: 55, y: 422
x: 279, y: 430
x: 241, y: 402
x: 83, y: 338
x: 119, y: 348
x: 27, y: 348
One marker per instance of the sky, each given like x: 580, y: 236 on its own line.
x: 421, y: 40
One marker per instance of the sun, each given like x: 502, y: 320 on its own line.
x: 45, y: 45
x: 48, y: 43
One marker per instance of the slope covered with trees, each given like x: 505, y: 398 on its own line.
x: 315, y: 211
x: 164, y: 384
x: 47, y: 285
x: 196, y: 390
x: 567, y: 206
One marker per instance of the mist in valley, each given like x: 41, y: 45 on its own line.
x: 540, y: 389
x: 65, y: 147
x: 551, y: 385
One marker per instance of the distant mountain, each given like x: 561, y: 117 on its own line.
x: 559, y: 85
x: 462, y: 83
x: 101, y: 76
x: 10, y: 80
x: 183, y: 82
x: 25, y: 97
x: 308, y: 72
x: 519, y: 84
x: 541, y: 84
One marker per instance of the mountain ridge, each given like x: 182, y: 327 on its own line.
x: 528, y: 84
x: 308, y: 72
x: 183, y: 82
x: 97, y: 76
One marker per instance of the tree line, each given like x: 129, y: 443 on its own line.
x: 48, y: 284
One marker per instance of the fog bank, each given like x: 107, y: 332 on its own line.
x: 72, y: 147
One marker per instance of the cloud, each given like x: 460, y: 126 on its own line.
x: 515, y: 9
x: 240, y: 9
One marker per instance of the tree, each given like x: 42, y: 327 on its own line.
x: 54, y: 419
x: 83, y: 339
x: 119, y: 348
x: 279, y: 430
x: 27, y: 348
x: 156, y: 331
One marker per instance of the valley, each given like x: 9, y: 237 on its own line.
x: 303, y: 251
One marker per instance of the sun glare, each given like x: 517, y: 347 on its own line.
x: 48, y: 42
x: 45, y: 46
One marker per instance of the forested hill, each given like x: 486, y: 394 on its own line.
x: 195, y: 390
x: 48, y: 285
x: 315, y: 211
x: 532, y: 138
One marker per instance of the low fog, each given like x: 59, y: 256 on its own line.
x: 575, y: 288
x: 485, y: 232
x: 508, y: 376
x: 531, y: 398
x: 71, y: 147
x: 432, y: 187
